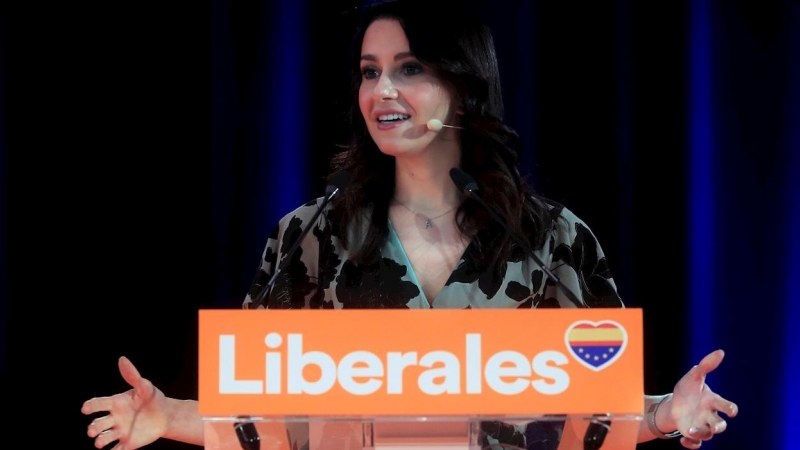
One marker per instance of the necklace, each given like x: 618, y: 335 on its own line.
x: 427, y: 219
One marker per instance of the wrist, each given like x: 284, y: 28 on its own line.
x: 659, y: 420
x: 183, y: 421
x: 171, y: 413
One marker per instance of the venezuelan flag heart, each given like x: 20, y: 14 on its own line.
x: 596, y: 345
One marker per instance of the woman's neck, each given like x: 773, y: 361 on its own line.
x: 426, y: 186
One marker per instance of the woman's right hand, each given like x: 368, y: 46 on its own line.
x: 135, y: 418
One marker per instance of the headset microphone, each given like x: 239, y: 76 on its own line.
x: 436, y: 125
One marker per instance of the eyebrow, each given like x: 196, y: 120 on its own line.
x: 397, y: 57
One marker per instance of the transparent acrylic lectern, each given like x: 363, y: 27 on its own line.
x: 414, y: 379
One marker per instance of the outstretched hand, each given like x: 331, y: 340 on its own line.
x: 695, y: 407
x: 135, y: 418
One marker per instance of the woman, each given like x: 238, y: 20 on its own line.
x: 403, y: 235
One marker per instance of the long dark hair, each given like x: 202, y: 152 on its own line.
x: 447, y: 37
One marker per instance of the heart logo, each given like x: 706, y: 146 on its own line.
x: 596, y: 345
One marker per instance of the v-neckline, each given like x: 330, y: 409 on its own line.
x: 412, y: 273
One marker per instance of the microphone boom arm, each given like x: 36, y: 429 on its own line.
x: 470, y: 187
x: 314, y: 218
x: 338, y: 181
x: 263, y: 293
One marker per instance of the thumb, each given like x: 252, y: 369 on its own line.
x: 710, y: 362
x: 129, y: 373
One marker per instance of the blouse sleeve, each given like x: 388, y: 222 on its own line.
x: 579, y: 262
x: 296, y: 285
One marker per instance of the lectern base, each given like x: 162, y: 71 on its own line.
x: 542, y: 433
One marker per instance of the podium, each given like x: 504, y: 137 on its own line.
x: 421, y: 379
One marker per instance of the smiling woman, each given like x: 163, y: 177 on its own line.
x: 398, y: 95
x: 403, y: 235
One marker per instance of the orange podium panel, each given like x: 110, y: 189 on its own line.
x: 439, y: 379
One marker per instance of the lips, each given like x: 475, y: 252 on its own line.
x: 383, y: 126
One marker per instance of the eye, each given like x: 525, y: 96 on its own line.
x: 369, y: 72
x: 412, y: 68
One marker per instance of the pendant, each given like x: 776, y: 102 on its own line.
x: 428, y: 223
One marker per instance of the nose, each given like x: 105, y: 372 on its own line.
x: 385, y: 89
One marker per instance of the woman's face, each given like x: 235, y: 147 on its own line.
x: 398, y: 95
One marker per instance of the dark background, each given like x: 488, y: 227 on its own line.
x: 148, y: 148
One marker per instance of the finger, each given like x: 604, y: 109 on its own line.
x: 726, y: 407
x: 96, y: 404
x: 717, y: 425
x: 703, y: 432
x: 106, y: 438
x: 100, y: 425
x: 690, y: 442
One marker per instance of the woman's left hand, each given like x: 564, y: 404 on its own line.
x: 694, y: 408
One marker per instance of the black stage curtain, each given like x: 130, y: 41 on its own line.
x: 147, y: 149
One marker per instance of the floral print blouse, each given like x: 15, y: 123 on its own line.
x: 321, y: 274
